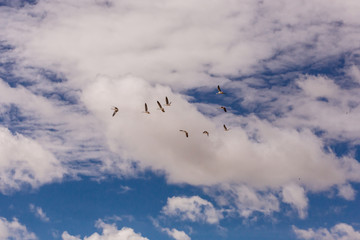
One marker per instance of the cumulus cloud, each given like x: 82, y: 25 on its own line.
x: 193, y: 209
x: 109, y: 232
x: 341, y: 231
x: 164, y: 48
x: 295, y: 195
x: 25, y: 162
x: 39, y: 213
x: 14, y: 230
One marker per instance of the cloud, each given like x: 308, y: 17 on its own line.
x: 39, y: 213
x: 109, y: 232
x: 14, y: 230
x: 174, y: 233
x: 347, y: 192
x: 295, y: 195
x: 185, y: 46
x: 193, y: 208
x: 341, y: 231
x: 25, y: 162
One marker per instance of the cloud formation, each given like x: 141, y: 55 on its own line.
x: 163, y: 49
x: 39, y: 213
x: 109, y: 232
x: 341, y: 231
x: 193, y: 209
x: 14, y: 230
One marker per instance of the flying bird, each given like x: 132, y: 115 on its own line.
x: 206, y: 132
x: 225, y: 128
x: 115, y: 110
x: 186, y: 133
x: 167, y: 103
x: 224, y: 108
x: 160, y: 107
x: 219, y: 90
x: 146, y: 109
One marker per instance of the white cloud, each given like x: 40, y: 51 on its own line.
x: 25, y: 162
x: 347, y: 192
x: 192, y: 208
x: 340, y: 231
x: 176, y: 234
x: 295, y: 195
x: 67, y: 236
x: 14, y: 230
x: 109, y: 232
x: 159, y: 49
x: 39, y: 213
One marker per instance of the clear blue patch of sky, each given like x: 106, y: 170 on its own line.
x: 17, y: 4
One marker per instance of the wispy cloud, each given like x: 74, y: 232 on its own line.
x: 39, y: 213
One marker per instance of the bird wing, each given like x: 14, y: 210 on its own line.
x: 225, y: 127
x: 219, y: 88
x: 159, y: 104
x: 167, y: 100
x: 224, y: 109
x: 186, y: 133
x: 146, y: 109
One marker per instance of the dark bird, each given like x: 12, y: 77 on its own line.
x: 167, y: 103
x: 219, y: 90
x: 146, y: 109
x: 160, y: 107
x: 224, y: 108
x: 115, y: 110
x: 186, y: 133
x: 206, y: 132
x: 225, y: 128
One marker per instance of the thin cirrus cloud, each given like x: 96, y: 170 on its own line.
x: 146, y: 56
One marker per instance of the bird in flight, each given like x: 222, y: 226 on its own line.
x: 186, y: 133
x: 146, y: 109
x: 115, y: 110
x: 219, y: 90
x: 224, y: 108
x: 225, y: 128
x: 160, y: 107
x: 206, y: 132
x: 167, y: 103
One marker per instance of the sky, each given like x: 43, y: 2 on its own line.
x: 287, y: 168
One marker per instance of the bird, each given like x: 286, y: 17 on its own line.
x: 219, y: 90
x: 146, y: 109
x: 206, y: 132
x: 186, y: 133
x: 160, y: 107
x: 225, y: 128
x: 167, y: 103
x: 115, y: 110
x: 224, y: 108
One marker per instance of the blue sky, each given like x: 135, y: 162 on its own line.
x: 288, y: 168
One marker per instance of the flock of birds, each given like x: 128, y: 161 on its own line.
x: 167, y: 103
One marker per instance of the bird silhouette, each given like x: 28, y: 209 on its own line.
x: 167, y: 103
x: 225, y: 128
x: 219, y: 90
x: 206, y: 132
x: 146, y: 109
x: 160, y: 107
x: 186, y: 133
x: 115, y: 110
x: 224, y: 108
